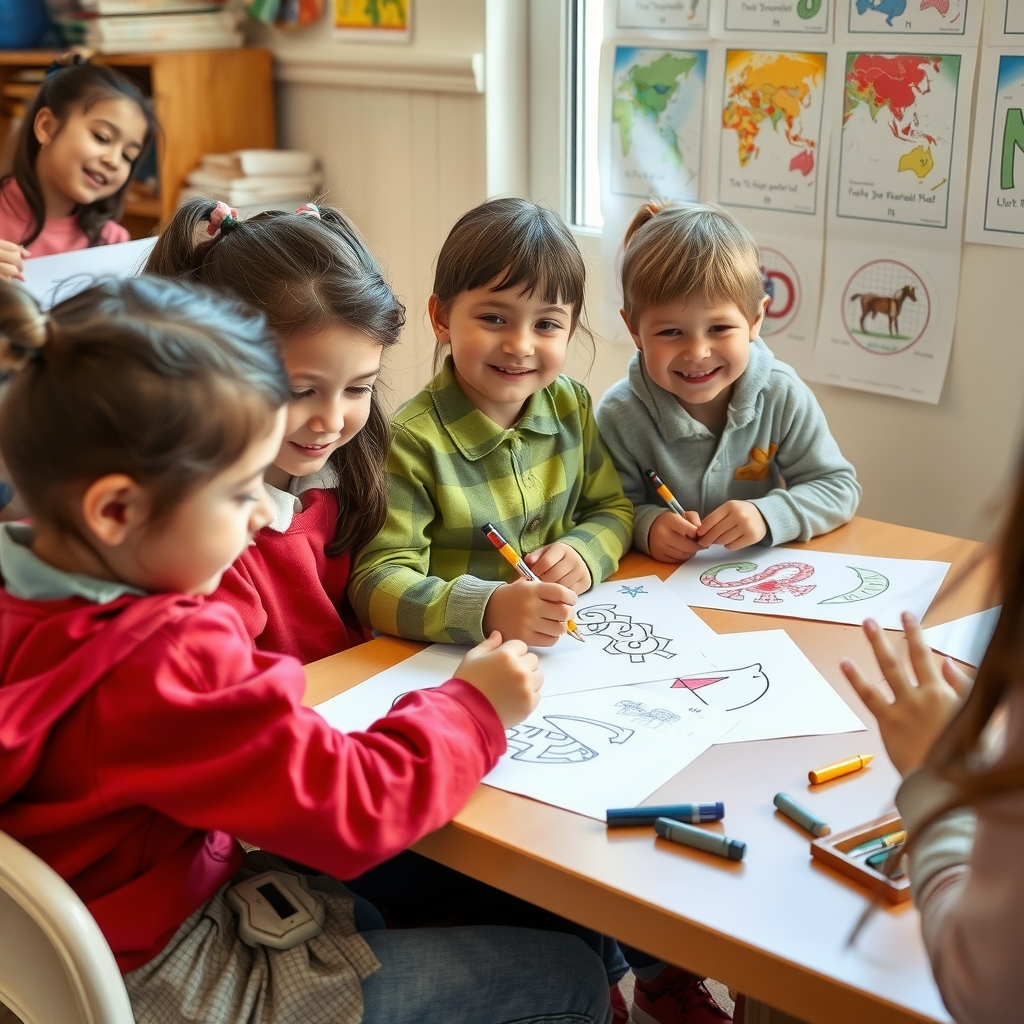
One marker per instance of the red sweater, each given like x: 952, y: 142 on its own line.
x: 138, y: 737
x: 290, y: 595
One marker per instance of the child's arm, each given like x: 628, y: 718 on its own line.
x: 821, y: 490
x: 603, y: 514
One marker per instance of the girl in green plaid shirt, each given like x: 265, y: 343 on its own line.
x: 499, y: 436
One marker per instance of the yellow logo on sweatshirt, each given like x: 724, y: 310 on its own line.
x: 757, y: 467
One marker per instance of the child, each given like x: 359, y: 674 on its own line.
x: 142, y: 731
x: 738, y: 438
x: 962, y: 797
x: 498, y: 436
x: 325, y: 295
x: 81, y: 136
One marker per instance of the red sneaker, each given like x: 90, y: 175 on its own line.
x: 675, y: 997
x: 620, y: 1011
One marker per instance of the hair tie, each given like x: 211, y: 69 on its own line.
x: 309, y: 210
x: 222, y: 217
x: 653, y: 208
x: 67, y: 60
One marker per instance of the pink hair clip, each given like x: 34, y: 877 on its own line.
x: 220, y: 217
x: 309, y: 210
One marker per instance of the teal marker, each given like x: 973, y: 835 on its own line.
x: 803, y: 817
x: 710, y: 842
x: 880, y: 843
x: 878, y: 861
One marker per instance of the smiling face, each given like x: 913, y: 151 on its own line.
x: 90, y: 154
x: 506, y: 346
x: 331, y: 375
x: 696, y: 352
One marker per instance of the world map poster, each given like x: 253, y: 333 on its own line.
x: 657, y: 115
x: 796, y: 17
x: 959, y: 19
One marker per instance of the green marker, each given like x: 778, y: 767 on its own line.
x: 803, y: 817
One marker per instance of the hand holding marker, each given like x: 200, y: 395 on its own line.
x: 509, y: 554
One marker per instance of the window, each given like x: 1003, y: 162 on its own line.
x: 584, y: 38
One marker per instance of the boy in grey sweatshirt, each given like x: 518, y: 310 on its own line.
x: 738, y: 438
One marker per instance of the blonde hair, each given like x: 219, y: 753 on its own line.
x: 685, y: 251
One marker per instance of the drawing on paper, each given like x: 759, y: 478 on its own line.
x: 556, y: 745
x: 886, y: 307
x: 728, y: 689
x: 782, y: 286
x: 635, y: 639
x: 650, y: 718
x: 871, y: 584
x: 632, y: 591
x: 768, y: 586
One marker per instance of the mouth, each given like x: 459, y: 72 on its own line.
x: 310, y: 451
x: 99, y: 180
x: 697, y: 376
x: 512, y: 372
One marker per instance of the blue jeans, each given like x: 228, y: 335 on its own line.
x: 484, y: 975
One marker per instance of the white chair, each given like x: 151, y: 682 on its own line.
x: 55, y: 965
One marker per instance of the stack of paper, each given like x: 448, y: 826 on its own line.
x: 274, y: 178
x: 111, y: 26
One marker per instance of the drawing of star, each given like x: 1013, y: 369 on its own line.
x: 632, y: 591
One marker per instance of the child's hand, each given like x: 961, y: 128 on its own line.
x: 736, y: 524
x: 11, y: 255
x: 559, y: 563
x: 535, y: 613
x: 674, y: 538
x: 922, y: 708
x: 506, y: 674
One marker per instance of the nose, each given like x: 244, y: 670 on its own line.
x: 109, y: 158
x: 329, y: 418
x: 518, y: 342
x: 695, y: 347
x: 262, y: 512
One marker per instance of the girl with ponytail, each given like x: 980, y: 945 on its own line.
x: 324, y: 294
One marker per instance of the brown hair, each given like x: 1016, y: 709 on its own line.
x: 678, y: 252
x: 307, y: 274
x: 164, y: 382
x: 64, y: 89
x: 512, y: 243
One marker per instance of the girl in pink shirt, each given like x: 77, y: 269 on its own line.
x: 80, y: 139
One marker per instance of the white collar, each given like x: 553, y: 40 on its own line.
x: 287, y: 504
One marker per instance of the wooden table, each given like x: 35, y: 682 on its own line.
x: 774, y: 926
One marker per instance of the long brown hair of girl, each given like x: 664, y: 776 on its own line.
x: 305, y: 273
x: 61, y: 91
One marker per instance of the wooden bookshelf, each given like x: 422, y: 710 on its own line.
x: 207, y: 101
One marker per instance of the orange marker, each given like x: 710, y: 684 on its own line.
x: 834, y: 771
x: 667, y: 496
x: 509, y: 554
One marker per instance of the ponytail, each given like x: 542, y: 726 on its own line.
x: 24, y: 330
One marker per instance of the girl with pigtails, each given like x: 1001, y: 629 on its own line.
x: 325, y: 296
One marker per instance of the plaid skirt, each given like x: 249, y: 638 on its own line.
x: 208, y: 974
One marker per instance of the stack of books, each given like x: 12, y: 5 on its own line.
x: 148, y: 26
x: 253, y: 180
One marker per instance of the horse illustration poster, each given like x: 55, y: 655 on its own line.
x: 765, y: 683
x: 632, y: 631
x: 806, y: 584
x: 892, y: 256
x: 590, y: 751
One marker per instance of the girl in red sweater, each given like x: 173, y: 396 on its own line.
x: 324, y: 294
x: 140, y: 731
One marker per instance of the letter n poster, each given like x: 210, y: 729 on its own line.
x: 995, y: 203
x: 898, y: 177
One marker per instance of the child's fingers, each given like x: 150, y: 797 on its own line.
x: 555, y: 593
x: 712, y: 534
x: 957, y: 678
x: 891, y: 666
x: 544, y: 559
x: 692, y: 517
x: 920, y: 653
x: 870, y: 695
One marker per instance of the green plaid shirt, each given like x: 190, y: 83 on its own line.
x: 430, y: 571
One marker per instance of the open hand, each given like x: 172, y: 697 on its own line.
x: 559, y: 563
x: 535, y: 613
x: 673, y: 538
x: 736, y: 524
x: 922, y: 706
x: 506, y: 674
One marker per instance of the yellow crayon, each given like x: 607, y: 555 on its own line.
x: 833, y: 771
x: 511, y: 556
x: 666, y: 495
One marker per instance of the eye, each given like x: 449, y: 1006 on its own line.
x: 247, y: 499
x: 360, y: 392
x: 669, y: 332
x: 492, y: 318
x: 549, y: 325
x: 299, y: 395
x: 99, y: 137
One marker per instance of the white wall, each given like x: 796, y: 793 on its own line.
x: 405, y: 139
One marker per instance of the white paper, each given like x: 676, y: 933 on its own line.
x: 899, y: 22
x: 52, y: 279
x: 768, y: 166
x: 590, y: 751
x: 965, y: 639
x: 892, y: 258
x: 634, y: 631
x: 766, y: 683
x: 807, y: 584
x: 1005, y: 21
x: 995, y: 202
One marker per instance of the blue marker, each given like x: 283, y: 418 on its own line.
x: 710, y: 842
x: 620, y: 817
x: 803, y: 817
